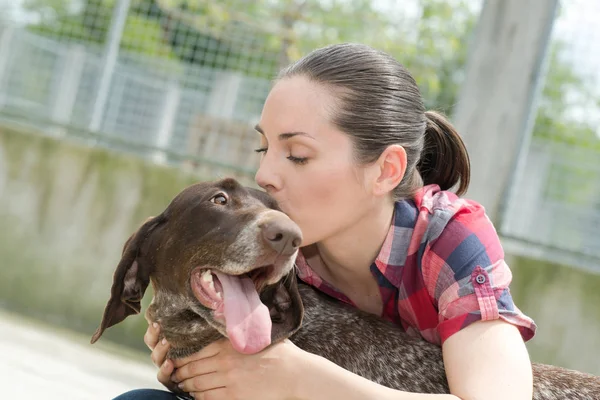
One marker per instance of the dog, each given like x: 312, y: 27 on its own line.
x: 221, y: 258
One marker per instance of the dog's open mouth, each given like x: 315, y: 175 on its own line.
x: 236, y: 304
x: 210, y: 288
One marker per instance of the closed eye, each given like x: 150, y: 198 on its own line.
x: 295, y: 160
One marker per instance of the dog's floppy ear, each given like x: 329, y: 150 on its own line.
x: 285, y: 306
x: 130, y: 280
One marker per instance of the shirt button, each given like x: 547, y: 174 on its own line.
x: 480, y: 279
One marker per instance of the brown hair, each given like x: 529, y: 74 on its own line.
x: 380, y: 105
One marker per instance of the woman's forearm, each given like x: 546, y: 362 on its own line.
x: 324, y: 379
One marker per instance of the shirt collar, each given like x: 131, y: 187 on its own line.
x: 395, y: 249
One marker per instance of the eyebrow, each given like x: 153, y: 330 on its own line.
x: 284, y: 136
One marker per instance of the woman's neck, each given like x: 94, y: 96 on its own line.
x: 348, y: 255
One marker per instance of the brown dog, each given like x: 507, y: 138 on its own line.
x: 220, y: 259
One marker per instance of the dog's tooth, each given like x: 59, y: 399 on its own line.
x: 211, y: 285
x: 219, y: 296
x: 207, y: 276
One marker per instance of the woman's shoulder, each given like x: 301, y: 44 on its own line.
x: 432, y: 199
x: 439, y: 221
x: 448, y: 220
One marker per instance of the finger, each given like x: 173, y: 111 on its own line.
x: 203, y: 383
x: 159, y: 354
x: 147, y: 318
x: 214, y: 394
x: 195, y: 368
x: 151, y: 335
x: 164, y: 373
x: 209, y: 351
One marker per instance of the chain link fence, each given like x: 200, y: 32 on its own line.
x: 182, y: 82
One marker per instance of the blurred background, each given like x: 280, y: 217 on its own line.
x: 108, y: 108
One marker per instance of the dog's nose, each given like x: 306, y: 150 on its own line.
x: 282, y: 235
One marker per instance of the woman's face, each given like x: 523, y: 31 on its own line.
x: 307, y: 163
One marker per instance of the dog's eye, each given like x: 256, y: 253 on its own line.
x: 219, y: 199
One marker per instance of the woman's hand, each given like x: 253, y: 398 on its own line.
x: 159, y: 355
x: 218, y: 372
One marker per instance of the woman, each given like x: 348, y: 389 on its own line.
x: 352, y: 157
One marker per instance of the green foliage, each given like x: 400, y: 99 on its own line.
x: 58, y: 19
x: 440, y: 56
x: 143, y: 35
x: 563, y: 91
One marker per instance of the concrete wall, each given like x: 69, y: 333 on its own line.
x: 66, y: 210
x: 565, y: 304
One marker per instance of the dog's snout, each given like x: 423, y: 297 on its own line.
x: 281, y: 234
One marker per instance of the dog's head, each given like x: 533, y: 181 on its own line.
x: 221, y: 261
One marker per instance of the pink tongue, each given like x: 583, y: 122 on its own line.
x: 247, y: 319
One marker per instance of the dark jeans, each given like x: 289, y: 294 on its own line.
x: 149, y: 394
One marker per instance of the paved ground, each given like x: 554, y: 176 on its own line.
x: 39, y: 362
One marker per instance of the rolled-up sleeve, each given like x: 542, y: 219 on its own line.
x: 465, y: 272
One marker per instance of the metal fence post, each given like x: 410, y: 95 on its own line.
x: 498, y: 96
x: 110, y: 58
x: 165, y: 129
x: 5, y: 44
x: 224, y: 94
x: 68, y: 86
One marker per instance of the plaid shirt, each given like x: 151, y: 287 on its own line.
x: 440, y: 269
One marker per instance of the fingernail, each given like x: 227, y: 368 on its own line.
x: 180, y: 386
x: 155, y: 325
x: 164, y: 341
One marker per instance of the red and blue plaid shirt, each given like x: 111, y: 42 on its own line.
x: 440, y: 269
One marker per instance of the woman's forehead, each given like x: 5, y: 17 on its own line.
x: 297, y: 104
x: 300, y: 94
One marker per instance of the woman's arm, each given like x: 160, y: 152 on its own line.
x: 326, y: 380
x: 486, y: 360
x: 280, y: 372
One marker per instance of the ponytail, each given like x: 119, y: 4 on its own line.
x: 444, y: 159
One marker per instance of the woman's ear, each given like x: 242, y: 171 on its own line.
x: 389, y: 169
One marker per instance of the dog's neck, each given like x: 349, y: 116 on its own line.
x: 186, y: 331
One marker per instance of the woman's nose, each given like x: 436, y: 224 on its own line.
x: 267, y: 176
